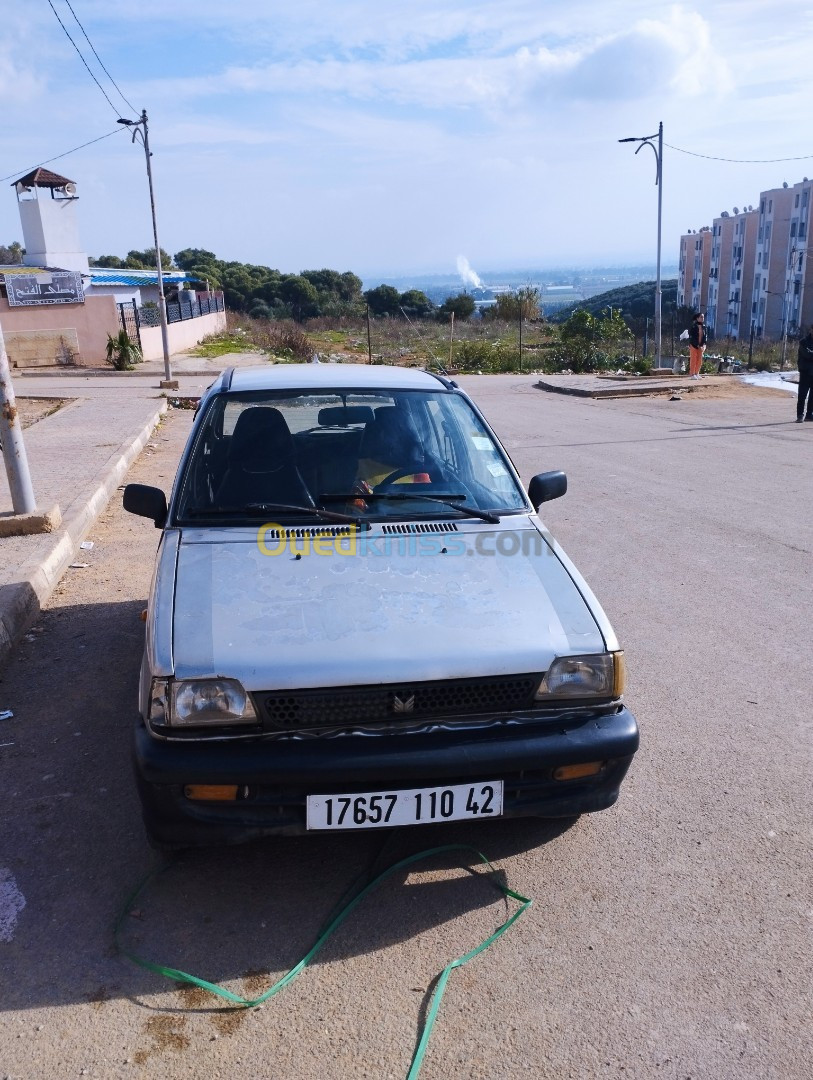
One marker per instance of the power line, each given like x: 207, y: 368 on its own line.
x: 70, y: 39
x: 47, y: 161
x: 740, y: 161
x: 101, y: 65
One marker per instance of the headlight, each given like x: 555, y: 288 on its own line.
x: 197, y: 702
x: 602, y: 675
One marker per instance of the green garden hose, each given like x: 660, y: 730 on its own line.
x: 437, y: 994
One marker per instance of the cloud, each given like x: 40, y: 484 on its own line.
x: 673, y: 54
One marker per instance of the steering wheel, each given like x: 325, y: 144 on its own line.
x: 393, y: 476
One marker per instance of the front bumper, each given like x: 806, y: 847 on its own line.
x: 279, y: 774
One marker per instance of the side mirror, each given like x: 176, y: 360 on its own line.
x: 546, y: 486
x: 148, y: 502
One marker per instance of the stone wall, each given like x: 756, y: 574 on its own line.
x: 42, y: 348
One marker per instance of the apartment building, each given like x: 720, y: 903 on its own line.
x: 768, y: 297
x: 752, y: 271
x: 798, y: 284
x: 693, y: 269
x: 686, y: 245
x: 731, y: 273
x: 719, y: 294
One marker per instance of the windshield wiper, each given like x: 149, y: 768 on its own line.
x: 262, y: 509
x: 409, y: 496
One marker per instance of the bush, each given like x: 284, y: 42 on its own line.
x: 489, y: 356
x: 122, y: 353
x: 284, y: 339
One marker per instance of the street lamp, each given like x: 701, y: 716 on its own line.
x: 140, y: 132
x: 647, y: 140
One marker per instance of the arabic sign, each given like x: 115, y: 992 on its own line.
x: 24, y: 290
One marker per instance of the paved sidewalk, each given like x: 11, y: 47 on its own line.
x: 78, y: 456
x: 182, y: 365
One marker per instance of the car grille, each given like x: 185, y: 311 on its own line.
x: 348, y: 705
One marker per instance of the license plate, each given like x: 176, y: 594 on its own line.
x: 416, y: 806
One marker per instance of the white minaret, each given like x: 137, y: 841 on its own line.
x: 47, y: 204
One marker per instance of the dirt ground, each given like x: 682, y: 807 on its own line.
x: 33, y: 409
x: 734, y: 389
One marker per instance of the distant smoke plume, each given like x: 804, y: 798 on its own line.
x: 466, y: 272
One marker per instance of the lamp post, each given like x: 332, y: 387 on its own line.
x: 141, y: 132
x: 647, y: 140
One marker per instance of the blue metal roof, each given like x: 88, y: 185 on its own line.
x: 104, y: 276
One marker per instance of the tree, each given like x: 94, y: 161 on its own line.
x: 586, y: 339
x: 338, y: 293
x: 111, y: 262
x: 511, y: 306
x: 461, y: 306
x: 192, y: 257
x: 415, y: 304
x: 11, y: 254
x: 206, y: 272
x: 383, y: 300
x: 324, y: 281
x: 300, y: 295
x: 350, y: 288
x: 145, y: 260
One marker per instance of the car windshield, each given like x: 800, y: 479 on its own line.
x: 353, y: 454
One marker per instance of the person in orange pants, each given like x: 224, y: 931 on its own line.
x: 697, y: 345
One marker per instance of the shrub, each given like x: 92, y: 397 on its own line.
x: 122, y: 353
x: 489, y: 356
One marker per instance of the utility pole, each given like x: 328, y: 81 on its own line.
x: 26, y: 518
x: 451, y: 342
x: 11, y: 435
x: 647, y: 140
x: 520, y: 329
x: 369, y: 339
x: 141, y: 131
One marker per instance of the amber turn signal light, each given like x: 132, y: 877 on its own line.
x: 211, y: 792
x: 577, y: 772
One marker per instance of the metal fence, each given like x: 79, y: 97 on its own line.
x: 183, y: 310
x: 128, y: 316
x: 132, y: 318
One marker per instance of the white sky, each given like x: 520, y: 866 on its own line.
x: 390, y: 138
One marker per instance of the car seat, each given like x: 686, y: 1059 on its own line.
x: 390, y: 446
x: 261, y: 462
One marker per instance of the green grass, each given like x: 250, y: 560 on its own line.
x: 220, y: 344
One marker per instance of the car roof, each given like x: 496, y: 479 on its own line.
x: 329, y: 376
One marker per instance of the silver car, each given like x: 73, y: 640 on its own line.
x: 358, y: 620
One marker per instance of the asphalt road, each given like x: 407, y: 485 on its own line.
x: 670, y: 936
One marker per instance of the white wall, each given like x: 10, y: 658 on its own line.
x: 51, y: 232
x: 122, y: 294
x: 182, y: 335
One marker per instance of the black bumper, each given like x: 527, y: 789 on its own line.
x: 278, y: 775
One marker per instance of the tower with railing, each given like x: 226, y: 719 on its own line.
x: 47, y: 205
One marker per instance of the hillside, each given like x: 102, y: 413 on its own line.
x: 634, y: 301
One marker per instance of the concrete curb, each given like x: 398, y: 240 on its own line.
x: 80, y: 373
x: 622, y: 391
x: 22, y: 601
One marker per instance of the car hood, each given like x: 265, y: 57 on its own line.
x: 475, y: 602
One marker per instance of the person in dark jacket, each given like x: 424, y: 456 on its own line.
x: 697, y: 344
x: 805, y: 364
